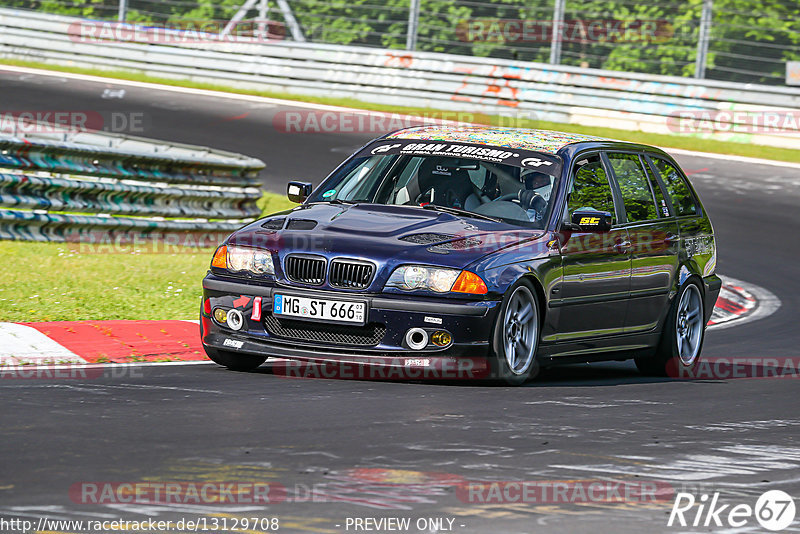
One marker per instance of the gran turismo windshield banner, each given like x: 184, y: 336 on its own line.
x: 496, y: 154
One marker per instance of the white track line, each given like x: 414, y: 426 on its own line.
x: 24, y: 344
x: 9, y: 369
x: 178, y: 89
x: 321, y: 107
x: 726, y: 157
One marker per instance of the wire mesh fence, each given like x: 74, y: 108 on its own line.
x: 748, y: 41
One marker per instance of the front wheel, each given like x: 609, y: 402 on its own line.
x: 678, y: 353
x: 234, y: 361
x: 516, y: 335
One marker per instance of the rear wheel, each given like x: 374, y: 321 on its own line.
x: 678, y: 353
x: 516, y: 335
x: 234, y: 361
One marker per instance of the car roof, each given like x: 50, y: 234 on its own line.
x: 546, y: 141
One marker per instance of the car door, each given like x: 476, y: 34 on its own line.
x: 684, y: 204
x: 653, y: 233
x: 596, y: 265
x: 696, y: 243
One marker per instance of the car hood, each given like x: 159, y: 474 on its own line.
x: 383, y: 234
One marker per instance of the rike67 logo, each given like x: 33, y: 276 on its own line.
x: 774, y: 510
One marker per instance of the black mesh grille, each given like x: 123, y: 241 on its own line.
x: 365, y: 336
x: 274, y: 224
x: 305, y: 269
x: 427, y: 239
x: 458, y: 244
x: 349, y: 274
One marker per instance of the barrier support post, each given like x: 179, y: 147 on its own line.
x: 702, y: 40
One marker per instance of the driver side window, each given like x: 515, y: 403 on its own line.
x: 590, y: 188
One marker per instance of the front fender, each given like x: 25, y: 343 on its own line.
x: 538, y: 259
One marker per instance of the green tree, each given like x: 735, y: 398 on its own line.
x: 750, y: 40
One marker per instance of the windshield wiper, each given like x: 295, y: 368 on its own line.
x: 459, y: 211
x: 340, y: 201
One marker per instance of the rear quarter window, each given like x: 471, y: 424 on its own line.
x: 637, y: 195
x: 683, y: 201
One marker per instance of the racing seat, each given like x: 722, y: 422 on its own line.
x: 450, y: 185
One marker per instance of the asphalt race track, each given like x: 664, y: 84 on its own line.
x: 349, y: 449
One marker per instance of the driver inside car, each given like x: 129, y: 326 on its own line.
x: 536, y: 193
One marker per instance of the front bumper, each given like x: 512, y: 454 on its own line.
x: 469, y: 323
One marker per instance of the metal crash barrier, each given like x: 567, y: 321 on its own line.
x: 747, y: 113
x: 82, y: 186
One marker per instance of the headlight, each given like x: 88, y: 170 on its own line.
x: 240, y: 259
x: 438, y: 279
x: 441, y: 280
x: 234, y: 258
x: 413, y: 277
x: 262, y: 262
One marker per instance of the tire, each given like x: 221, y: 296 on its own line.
x: 514, y: 362
x: 678, y: 352
x: 234, y: 361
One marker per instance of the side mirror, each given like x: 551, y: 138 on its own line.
x: 298, y: 191
x: 592, y: 221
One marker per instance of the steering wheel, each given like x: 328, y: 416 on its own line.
x: 507, y: 197
x: 532, y: 200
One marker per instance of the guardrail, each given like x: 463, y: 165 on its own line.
x: 81, y: 186
x: 420, y: 79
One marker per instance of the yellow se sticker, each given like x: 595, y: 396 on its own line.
x: 590, y: 220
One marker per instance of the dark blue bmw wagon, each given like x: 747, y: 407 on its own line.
x: 517, y: 248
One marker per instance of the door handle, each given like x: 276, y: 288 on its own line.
x: 622, y: 247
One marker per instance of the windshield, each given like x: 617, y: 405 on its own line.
x: 467, y: 185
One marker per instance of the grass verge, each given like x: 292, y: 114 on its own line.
x: 67, y: 282
x: 272, y: 202
x: 687, y: 142
x: 60, y: 282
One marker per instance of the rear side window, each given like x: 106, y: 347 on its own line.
x: 590, y: 187
x: 634, y: 185
x: 682, y: 200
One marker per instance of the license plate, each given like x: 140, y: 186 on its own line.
x: 319, y: 309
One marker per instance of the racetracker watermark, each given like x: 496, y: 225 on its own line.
x: 49, y: 121
x: 726, y: 368
x: 199, y: 493
x: 369, y: 368
x: 201, y: 524
x: 642, y: 242
x: 490, y: 30
x: 10, y: 369
x: 178, y: 32
x: 472, y: 242
x: 99, y: 242
x: 378, y: 122
x: 564, y: 491
x: 692, y: 121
